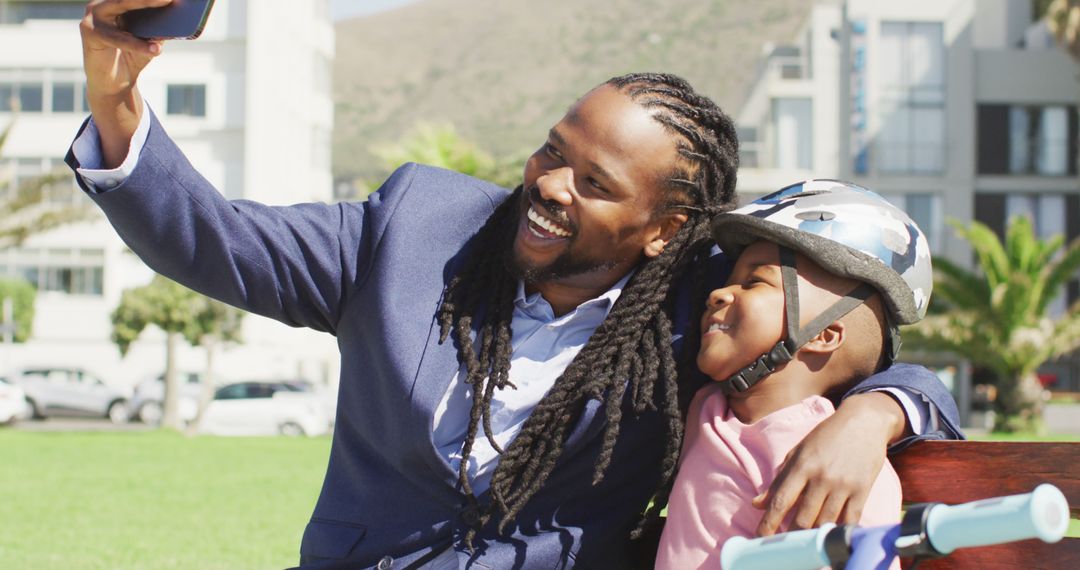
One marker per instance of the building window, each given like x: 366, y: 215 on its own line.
x: 749, y: 152
x: 1050, y: 214
x: 21, y: 91
x: 31, y: 97
x: 794, y: 133
x: 1047, y: 214
x: 1027, y: 139
x: 17, y: 12
x: 63, y: 97
x: 42, y: 91
x: 189, y: 100
x: 911, y: 138
x: 925, y: 211
x: 63, y: 270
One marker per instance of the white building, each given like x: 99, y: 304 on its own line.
x: 249, y: 102
x: 951, y: 108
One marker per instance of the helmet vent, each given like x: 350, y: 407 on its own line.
x: 815, y: 216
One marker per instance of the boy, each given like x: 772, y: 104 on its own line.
x: 825, y: 272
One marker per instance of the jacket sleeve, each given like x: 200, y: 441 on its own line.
x: 917, y: 379
x: 296, y: 264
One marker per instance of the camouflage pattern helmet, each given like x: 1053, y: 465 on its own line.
x: 847, y: 230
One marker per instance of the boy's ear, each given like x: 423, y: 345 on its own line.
x: 828, y: 340
x: 665, y: 229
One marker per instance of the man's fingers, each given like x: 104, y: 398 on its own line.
x: 123, y: 41
x: 112, y: 9
x: 101, y: 26
x: 781, y: 496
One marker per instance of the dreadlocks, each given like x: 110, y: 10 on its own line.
x: 631, y: 349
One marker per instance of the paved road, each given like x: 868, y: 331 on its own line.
x: 79, y: 424
x: 1063, y: 418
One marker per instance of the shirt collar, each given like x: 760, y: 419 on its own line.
x: 535, y: 303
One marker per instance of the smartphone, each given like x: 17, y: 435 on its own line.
x: 183, y: 19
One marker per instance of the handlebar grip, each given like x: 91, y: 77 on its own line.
x: 796, y: 550
x: 1042, y: 513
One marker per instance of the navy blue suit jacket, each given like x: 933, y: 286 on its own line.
x: 372, y: 274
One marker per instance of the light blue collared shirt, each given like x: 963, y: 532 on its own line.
x: 543, y: 345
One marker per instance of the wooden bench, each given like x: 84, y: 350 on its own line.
x: 954, y: 472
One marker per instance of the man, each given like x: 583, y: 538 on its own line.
x: 444, y: 455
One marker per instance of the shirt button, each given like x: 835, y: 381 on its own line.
x: 111, y: 183
x: 385, y: 564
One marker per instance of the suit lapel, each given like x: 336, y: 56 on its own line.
x: 438, y: 365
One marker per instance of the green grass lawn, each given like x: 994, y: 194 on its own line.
x: 1026, y: 437
x: 155, y: 500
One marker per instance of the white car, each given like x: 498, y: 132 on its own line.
x: 13, y: 404
x: 266, y: 408
x: 61, y: 391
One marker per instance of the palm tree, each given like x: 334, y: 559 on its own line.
x: 26, y: 210
x: 998, y: 317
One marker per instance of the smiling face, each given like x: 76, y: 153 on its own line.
x: 590, y: 210
x: 746, y: 318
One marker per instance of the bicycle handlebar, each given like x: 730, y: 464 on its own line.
x: 1042, y: 513
x: 795, y: 550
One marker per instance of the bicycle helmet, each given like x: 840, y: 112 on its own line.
x: 847, y: 230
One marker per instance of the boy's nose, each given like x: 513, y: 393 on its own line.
x: 719, y: 298
x: 557, y: 185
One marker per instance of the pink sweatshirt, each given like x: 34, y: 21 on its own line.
x: 726, y: 463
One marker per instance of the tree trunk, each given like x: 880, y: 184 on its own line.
x: 209, y: 386
x: 1019, y: 404
x: 171, y: 401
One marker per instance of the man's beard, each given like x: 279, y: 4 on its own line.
x: 567, y: 264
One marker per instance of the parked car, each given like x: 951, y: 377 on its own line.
x: 147, y: 401
x: 13, y: 404
x: 55, y: 391
x: 266, y: 408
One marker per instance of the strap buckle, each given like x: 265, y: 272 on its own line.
x: 765, y: 364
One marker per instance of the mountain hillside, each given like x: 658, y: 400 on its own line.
x: 504, y: 71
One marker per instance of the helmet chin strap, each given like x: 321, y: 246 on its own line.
x: 795, y: 338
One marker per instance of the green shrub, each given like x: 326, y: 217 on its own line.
x: 22, y: 294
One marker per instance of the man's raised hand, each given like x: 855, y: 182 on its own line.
x: 113, y: 60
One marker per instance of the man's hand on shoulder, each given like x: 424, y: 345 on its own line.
x: 828, y: 476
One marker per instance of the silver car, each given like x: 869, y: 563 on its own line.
x: 54, y: 391
x: 149, y: 395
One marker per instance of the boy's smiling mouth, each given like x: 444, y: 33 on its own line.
x: 718, y: 327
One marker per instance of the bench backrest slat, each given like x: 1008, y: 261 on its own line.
x: 960, y: 471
